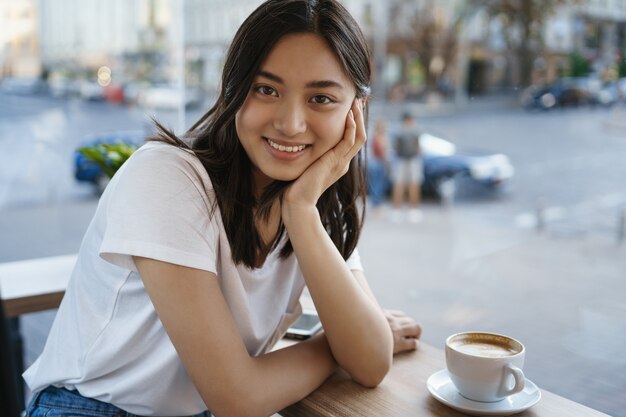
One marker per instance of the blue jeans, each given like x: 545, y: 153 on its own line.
x: 377, y: 180
x: 60, y: 402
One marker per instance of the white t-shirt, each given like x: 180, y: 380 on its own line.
x: 107, y: 340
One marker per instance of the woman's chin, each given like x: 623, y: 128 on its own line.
x: 281, y: 175
x: 285, y: 178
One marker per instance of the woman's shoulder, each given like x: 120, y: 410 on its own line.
x: 161, y: 151
x: 165, y: 155
x: 165, y: 163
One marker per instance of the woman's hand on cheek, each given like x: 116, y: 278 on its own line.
x: 332, y: 165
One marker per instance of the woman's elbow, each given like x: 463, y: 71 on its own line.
x: 373, y: 367
x: 240, y: 402
x: 373, y: 377
x: 374, y: 372
x: 240, y: 408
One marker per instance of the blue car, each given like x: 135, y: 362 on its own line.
x: 564, y: 92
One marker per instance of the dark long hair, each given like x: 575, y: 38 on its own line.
x: 215, y: 142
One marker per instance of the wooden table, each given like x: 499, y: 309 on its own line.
x: 403, y: 393
x: 34, y: 284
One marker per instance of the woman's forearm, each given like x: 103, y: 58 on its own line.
x: 357, y: 331
x: 282, y: 377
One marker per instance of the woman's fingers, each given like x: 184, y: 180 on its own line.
x: 406, y: 331
x: 347, y: 141
x: 410, y: 329
x: 359, y: 132
x: 406, y: 337
x: 405, y: 327
x: 405, y: 344
x: 354, y: 134
x: 398, y: 319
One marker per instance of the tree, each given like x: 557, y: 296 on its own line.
x: 432, y: 35
x: 430, y: 30
x: 435, y: 42
x: 527, y: 18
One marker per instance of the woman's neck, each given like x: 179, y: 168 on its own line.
x: 267, y: 229
x: 260, y: 182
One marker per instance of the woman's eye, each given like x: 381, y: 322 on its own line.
x: 266, y: 90
x: 319, y: 99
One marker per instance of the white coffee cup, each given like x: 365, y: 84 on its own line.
x: 485, y: 367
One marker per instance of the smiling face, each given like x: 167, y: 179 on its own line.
x: 295, y: 110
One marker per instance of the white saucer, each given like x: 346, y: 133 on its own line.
x: 441, y: 387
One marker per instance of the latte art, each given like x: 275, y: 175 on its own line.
x: 486, y: 349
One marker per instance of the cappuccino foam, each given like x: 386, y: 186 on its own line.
x: 483, y: 348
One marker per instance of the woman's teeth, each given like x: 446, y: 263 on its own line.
x: 285, y: 148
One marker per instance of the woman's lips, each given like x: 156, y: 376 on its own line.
x: 274, y: 149
x: 286, y: 148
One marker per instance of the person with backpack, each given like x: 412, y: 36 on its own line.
x: 407, y: 172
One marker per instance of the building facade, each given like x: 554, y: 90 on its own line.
x: 418, y: 44
x: 139, y: 39
x: 470, y: 50
x: 19, y: 39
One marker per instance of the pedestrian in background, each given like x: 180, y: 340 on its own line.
x: 194, y: 263
x: 378, y: 166
x: 407, y: 171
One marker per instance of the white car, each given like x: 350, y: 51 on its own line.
x: 22, y: 85
x: 445, y: 168
x: 169, y: 97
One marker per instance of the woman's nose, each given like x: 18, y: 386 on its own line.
x: 290, y: 119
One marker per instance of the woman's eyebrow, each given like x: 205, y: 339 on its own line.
x: 324, y: 84
x: 271, y: 76
x: 310, y: 84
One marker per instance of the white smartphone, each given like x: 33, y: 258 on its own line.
x: 306, y: 326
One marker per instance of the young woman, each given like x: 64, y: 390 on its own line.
x: 194, y: 263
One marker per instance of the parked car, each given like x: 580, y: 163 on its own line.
x: 132, y: 91
x: 563, y: 92
x: 445, y: 169
x: 87, y: 170
x: 169, y: 97
x: 621, y: 88
x: 23, y: 85
x: 91, y: 91
x: 64, y: 87
x: 599, y: 92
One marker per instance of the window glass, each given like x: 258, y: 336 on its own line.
x: 517, y: 224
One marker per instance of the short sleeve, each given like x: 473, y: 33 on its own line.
x: 354, y: 261
x: 158, y: 206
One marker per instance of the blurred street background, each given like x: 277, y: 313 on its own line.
x: 539, y: 255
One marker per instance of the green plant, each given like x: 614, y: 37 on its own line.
x: 109, y: 156
x: 621, y: 68
x: 579, y: 66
